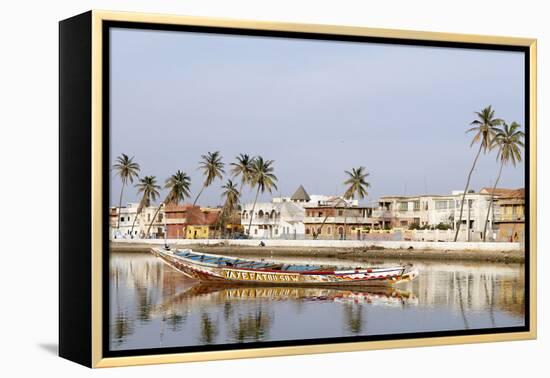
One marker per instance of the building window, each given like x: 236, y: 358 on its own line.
x: 148, y: 217
x: 329, y: 230
x: 255, y: 231
x: 307, y: 230
x: 403, y: 206
x: 276, y: 231
x: 440, y: 205
x: 341, y: 230
x: 340, y: 213
x: 160, y: 217
x: 416, y: 205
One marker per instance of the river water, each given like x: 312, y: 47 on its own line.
x: 152, y: 305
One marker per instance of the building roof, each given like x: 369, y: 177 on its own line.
x: 300, y: 195
x: 505, y: 193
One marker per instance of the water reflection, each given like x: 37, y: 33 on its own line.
x: 152, y: 305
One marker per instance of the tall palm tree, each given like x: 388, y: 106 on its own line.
x: 231, y: 195
x: 127, y: 170
x: 357, y: 185
x: 263, y: 179
x: 212, y: 168
x: 178, y: 189
x: 149, y: 190
x: 485, y: 127
x: 509, y: 141
x: 243, y: 168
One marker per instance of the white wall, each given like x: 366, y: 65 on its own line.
x: 418, y: 245
x: 28, y: 143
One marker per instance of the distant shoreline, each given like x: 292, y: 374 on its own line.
x: 497, y: 256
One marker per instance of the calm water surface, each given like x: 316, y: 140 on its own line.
x: 154, y: 306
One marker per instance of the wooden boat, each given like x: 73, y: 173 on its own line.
x: 212, y: 268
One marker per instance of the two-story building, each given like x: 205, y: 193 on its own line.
x: 282, y: 218
x: 192, y: 222
x: 127, y: 223
x: 433, y: 210
x: 509, y: 214
x: 337, y: 218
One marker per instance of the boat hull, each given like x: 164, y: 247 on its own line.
x: 236, y: 276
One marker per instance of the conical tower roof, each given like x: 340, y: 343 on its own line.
x: 300, y: 195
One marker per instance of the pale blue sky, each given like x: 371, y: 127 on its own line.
x: 315, y: 107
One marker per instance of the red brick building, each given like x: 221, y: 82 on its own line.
x: 185, y: 221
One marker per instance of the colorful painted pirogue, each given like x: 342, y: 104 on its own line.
x: 223, y: 269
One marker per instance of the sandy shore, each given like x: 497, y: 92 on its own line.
x: 406, y: 254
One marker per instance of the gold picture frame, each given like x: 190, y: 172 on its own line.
x: 92, y: 25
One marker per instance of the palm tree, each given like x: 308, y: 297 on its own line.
x: 127, y: 170
x: 150, y: 192
x: 509, y: 141
x: 485, y: 128
x: 263, y: 179
x: 243, y: 168
x: 357, y: 185
x: 178, y: 185
x: 231, y: 195
x: 212, y: 167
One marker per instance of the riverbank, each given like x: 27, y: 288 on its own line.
x: 506, y: 255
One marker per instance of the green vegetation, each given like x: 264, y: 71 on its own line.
x: 485, y: 127
x: 212, y: 168
x: 127, y: 170
x: 178, y: 189
x: 263, y: 179
x: 509, y: 142
x: 149, y: 190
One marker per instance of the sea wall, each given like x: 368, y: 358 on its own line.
x: 370, y: 244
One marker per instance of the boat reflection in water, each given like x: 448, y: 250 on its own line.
x: 200, y: 295
x: 152, y: 305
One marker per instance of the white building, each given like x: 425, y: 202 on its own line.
x: 282, y: 218
x: 124, y: 225
x: 432, y: 210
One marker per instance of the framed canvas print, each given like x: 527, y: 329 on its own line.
x: 235, y: 189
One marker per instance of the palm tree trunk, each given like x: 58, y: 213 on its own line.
x: 465, y: 191
x: 220, y: 219
x: 326, y: 217
x: 491, y: 202
x: 198, y: 195
x: 154, y: 217
x: 252, y: 212
x: 345, y: 223
x: 134, y: 222
x: 119, y: 206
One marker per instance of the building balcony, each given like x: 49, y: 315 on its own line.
x: 338, y: 220
x: 261, y: 221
